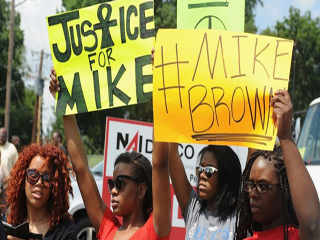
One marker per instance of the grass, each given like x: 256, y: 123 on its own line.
x: 94, y: 159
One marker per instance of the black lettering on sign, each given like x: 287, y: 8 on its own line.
x: 239, y: 58
x: 149, y: 144
x: 144, y: 32
x: 141, y: 79
x: 261, y: 111
x: 76, y: 96
x: 205, y: 40
x: 192, y: 109
x: 91, y: 61
x: 122, y: 25
x: 63, y: 18
x: 132, y: 36
x: 277, y: 55
x: 162, y: 65
x: 112, y: 86
x: 255, y: 59
x: 88, y: 33
x: 77, y: 49
x: 219, y: 103
x: 96, y: 89
x: 189, y: 154
x: 269, y: 109
x: 232, y: 103
x: 123, y: 141
x: 104, y: 25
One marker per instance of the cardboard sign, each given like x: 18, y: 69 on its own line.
x: 216, y: 87
x: 211, y: 14
x: 102, y: 55
x: 127, y: 135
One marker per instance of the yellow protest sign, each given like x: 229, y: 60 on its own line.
x: 211, y: 14
x: 216, y: 87
x: 102, y: 55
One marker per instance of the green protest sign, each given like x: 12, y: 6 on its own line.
x: 211, y: 14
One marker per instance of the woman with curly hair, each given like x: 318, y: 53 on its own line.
x: 38, y: 192
x: 278, y: 199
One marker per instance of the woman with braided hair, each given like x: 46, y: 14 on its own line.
x: 277, y: 198
x: 140, y: 193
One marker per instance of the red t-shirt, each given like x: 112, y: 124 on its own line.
x: 110, y: 224
x: 275, y: 234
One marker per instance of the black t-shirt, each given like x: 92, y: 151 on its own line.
x: 66, y: 230
x: 2, y: 233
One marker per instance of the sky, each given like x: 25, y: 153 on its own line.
x: 34, y: 24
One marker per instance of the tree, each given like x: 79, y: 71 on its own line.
x: 21, y: 98
x: 304, y: 82
x: 250, y: 7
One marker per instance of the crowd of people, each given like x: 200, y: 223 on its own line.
x: 262, y: 202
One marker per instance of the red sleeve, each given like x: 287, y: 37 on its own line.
x: 108, y: 226
x: 148, y: 232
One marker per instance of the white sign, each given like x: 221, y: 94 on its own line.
x: 126, y: 135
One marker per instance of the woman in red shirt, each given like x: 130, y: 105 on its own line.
x: 278, y: 199
x: 140, y: 192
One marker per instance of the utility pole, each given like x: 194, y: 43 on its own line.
x: 36, y: 129
x: 9, y: 70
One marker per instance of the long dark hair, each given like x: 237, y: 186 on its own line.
x: 229, y: 175
x: 245, y: 221
x: 142, y: 169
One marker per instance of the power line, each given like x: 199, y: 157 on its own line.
x: 30, y: 33
x: 35, y: 6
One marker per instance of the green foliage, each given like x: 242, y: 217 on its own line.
x: 304, y: 82
x: 75, y: 4
x: 22, y: 99
x: 165, y: 14
x: 251, y: 5
x: 21, y: 117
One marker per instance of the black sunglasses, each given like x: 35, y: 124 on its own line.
x: 118, y: 182
x: 261, y: 187
x: 33, y: 177
x: 209, y: 171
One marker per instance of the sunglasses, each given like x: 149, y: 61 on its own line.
x: 118, y: 182
x: 33, y: 177
x: 261, y: 187
x: 209, y: 171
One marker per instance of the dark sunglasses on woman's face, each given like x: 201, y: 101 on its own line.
x: 33, y: 177
x: 261, y: 187
x: 118, y: 182
x: 209, y: 171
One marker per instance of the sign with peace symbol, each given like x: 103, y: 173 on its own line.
x: 209, y: 14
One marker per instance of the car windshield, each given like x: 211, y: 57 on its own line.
x: 309, y: 140
x: 98, y: 169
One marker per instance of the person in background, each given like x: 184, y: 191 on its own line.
x: 38, y: 192
x: 278, y: 199
x: 57, y: 141
x: 1, y: 176
x: 9, y: 156
x: 15, y: 140
x: 140, y: 193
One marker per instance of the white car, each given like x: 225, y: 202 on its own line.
x: 77, y: 209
